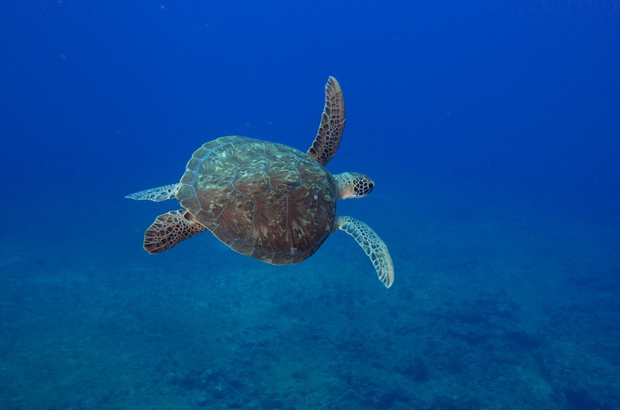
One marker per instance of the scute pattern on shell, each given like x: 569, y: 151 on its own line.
x: 262, y: 199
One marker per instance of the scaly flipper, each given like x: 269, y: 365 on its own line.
x: 169, y: 230
x: 330, y: 131
x: 374, y: 247
x: 161, y: 193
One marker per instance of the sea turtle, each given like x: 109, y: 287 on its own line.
x: 268, y: 200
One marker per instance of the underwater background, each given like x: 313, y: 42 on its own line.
x: 491, y: 129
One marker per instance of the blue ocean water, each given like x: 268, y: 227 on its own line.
x: 491, y: 129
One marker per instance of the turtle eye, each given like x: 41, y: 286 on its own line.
x: 362, y: 188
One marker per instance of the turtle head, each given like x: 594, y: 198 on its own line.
x: 353, y: 185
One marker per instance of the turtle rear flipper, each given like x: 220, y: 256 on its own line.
x: 169, y: 230
x: 372, y: 244
x: 161, y: 193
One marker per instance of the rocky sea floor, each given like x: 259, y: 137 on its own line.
x: 492, y: 308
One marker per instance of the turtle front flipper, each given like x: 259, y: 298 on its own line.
x: 161, y: 193
x: 330, y: 131
x: 169, y: 230
x: 374, y: 247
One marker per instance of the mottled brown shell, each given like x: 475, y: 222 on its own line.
x: 262, y: 199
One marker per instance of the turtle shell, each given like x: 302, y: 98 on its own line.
x: 262, y: 199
